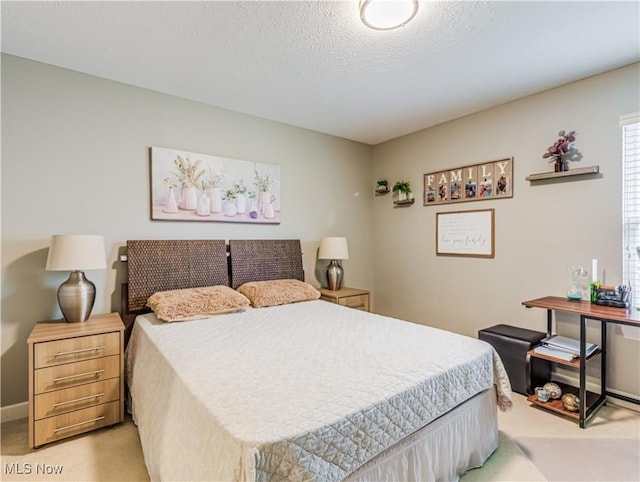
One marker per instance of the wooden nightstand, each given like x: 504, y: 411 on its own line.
x: 76, y: 381
x: 351, y: 297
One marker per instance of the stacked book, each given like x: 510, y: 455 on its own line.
x: 562, y: 347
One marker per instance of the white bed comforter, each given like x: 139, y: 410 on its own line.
x: 302, y: 392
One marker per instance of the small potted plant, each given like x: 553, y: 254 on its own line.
x: 382, y: 186
x: 402, y: 189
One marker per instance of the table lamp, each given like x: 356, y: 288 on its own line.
x: 334, y: 249
x: 76, y: 253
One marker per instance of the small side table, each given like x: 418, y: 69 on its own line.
x: 350, y: 297
x: 75, y: 377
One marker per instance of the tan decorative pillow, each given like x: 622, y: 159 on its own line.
x: 278, y: 292
x: 195, y: 303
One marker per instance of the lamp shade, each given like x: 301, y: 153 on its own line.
x: 333, y: 248
x: 76, y: 252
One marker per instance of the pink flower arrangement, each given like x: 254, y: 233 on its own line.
x: 559, y: 150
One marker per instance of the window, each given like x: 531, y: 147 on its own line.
x: 631, y: 204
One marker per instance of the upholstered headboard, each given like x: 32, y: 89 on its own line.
x: 265, y: 259
x: 160, y: 265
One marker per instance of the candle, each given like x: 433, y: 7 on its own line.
x: 594, y: 270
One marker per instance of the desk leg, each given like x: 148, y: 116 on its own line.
x: 582, y: 390
x: 603, y: 359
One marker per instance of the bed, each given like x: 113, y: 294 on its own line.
x: 304, y: 391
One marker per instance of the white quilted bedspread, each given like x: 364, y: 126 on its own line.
x: 302, y: 392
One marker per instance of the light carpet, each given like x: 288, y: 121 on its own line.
x: 108, y: 454
x: 537, y: 445
x: 619, y: 459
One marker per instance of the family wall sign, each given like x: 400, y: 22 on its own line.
x: 476, y: 182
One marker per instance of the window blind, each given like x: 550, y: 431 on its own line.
x: 631, y: 204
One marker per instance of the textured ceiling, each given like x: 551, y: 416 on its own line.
x: 313, y: 64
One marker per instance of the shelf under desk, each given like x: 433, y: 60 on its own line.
x: 587, y: 311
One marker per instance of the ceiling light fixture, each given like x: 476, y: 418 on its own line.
x: 387, y: 14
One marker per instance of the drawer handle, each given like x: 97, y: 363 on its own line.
x: 67, y: 427
x: 361, y: 305
x: 69, y: 377
x: 83, y: 350
x: 97, y: 395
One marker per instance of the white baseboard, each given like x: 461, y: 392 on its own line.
x: 622, y: 403
x: 14, y: 412
x: 594, y: 387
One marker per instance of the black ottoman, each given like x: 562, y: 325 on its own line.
x: 512, y: 344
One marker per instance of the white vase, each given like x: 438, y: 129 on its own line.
x: 402, y: 196
x: 264, y: 197
x: 171, y: 206
x: 204, y: 205
x: 215, y: 198
x: 230, y: 209
x: 268, y: 211
x: 241, y: 204
x: 189, y: 198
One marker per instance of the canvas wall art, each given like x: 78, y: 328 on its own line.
x: 187, y: 186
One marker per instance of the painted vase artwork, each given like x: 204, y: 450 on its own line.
x: 236, y: 190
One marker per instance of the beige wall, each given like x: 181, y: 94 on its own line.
x: 75, y: 160
x: 539, y: 232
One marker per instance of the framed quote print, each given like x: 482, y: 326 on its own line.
x: 466, y: 233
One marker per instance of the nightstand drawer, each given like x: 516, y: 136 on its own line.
x: 54, y: 428
x: 74, y: 374
x: 350, y: 297
x: 71, y: 399
x: 76, y: 349
x: 360, y: 302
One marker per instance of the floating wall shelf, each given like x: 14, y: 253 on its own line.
x: 381, y: 191
x: 407, y: 202
x: 571, y: 172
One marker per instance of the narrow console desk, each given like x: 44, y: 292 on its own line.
x: 589, y: 402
